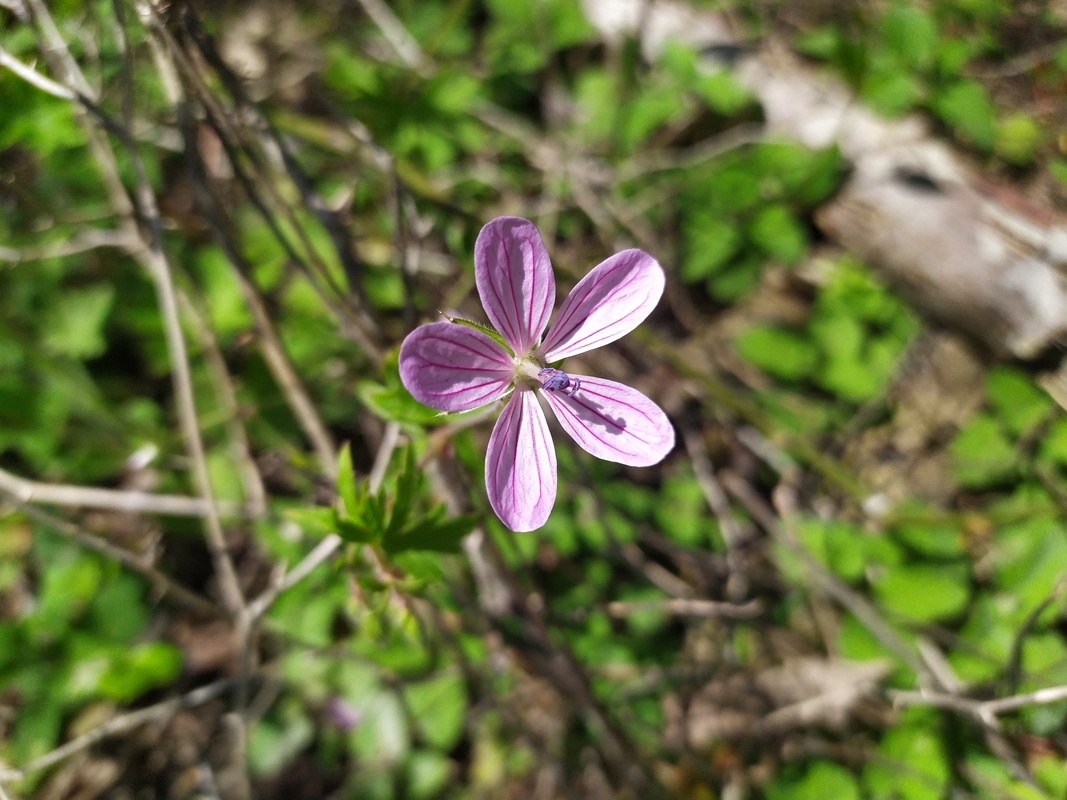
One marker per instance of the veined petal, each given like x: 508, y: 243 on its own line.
x: 520, y: 464
x: 608, y: 303
x: 453, y: 367
x: 514, y: 279
x: 614, y: 422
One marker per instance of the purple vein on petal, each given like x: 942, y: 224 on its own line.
x: 498, y: 356
x: 453, y: 368
x: 606, y: 304
x: 520, y: 467
x: 613, y: 421
x: 600, y: 303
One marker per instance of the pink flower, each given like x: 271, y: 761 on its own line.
x: 453, y: 367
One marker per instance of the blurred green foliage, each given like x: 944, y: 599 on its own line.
x: 85, y: 382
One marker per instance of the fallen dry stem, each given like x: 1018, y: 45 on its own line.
x: 122, y: 724
x: 251, y: 480
x: 821, y: 577
x: 62, y: 494
x: 33, y: 77
x: 164, y: 584
x: 153, y: 258
x: 684, y: 607
x: 84, y: 241
x: 986, y: 711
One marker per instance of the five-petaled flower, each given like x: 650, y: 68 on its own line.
x: 454, y: 367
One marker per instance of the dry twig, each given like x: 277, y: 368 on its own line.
x: 61, y: 494
x: 121, y: 724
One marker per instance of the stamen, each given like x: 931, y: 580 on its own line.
x: 553, y: 380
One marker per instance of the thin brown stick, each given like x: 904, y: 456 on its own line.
x: 153, y: 258
x: 62, y: 494
x: 328, y: 546
x: 122, y: 724
x: 33, y: 77
x: 402, y: 42
x: 823, y: 579
x: 271, y: 346
x: 683, y: 607
x: 712, y: 489
x: 252, y: 482
x: 163, y: 584
x: 82, y: 242
x: 285, y: 375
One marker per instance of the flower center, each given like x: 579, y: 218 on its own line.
x: 556, y: 380
x: 533, y: 373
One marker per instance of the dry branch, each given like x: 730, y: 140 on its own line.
x: 134, y: 502
x: 122, y: 724
x: 161, y: 581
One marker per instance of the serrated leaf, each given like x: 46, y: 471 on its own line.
x: 374, y: 511
x: 432, y: 535
x: 347, y: 489
x: 353, y: 530
x: 407, y: 484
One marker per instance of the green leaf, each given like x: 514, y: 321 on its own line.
x: 439, y: 707
x: 374, y: 508
x: 74, y: 323
x: 818, y: 43
x: 966, y: 106
x: 981, y: 455
x: 648, y: 111
x: 347, y: 489
x: 142, y: 668
x: 320, y: 519
x: 723, y: 93
x: 778, y: 352
x: 890, y: 93
x: 682, y: 511
x: 710, y: 242
x: 1054, y: 445
x: 1017, y: 139
x: 776, y: 231
x: 426, y: 775
x: 433, y: 535
x: 838, y: 546
x: 407, y: 484
x: 1058, y: 168
x: 597, y: 98
x: 911, y: 34
x: 823, y: 780
x: 925, y: 592
x: 934, y: 539
x: 382, y: 735
x: 355, y: 530
x: 1051, y: 773
x: 911, y: 763
x: 1019, y: 403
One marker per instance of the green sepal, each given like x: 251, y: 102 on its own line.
x: 490, y: 332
